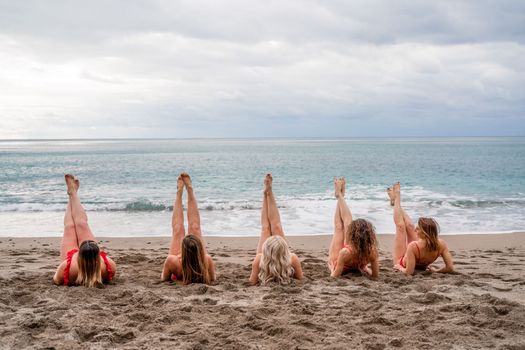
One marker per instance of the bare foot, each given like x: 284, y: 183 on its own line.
x: 180, y: 184
x: 343, y: 186
x: 187, y: 181
x: 397, y: 190
x: 268, y: 180
x: 71, y: 184
x: 338, y: 185
x: 391, y: 195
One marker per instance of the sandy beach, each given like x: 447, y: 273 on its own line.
x: 481, y: 306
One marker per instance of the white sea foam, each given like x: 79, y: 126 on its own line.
x: 308, y: 214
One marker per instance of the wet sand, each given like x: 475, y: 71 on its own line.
x: 480, y: 306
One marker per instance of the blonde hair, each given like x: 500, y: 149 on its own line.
x: 430, y: 230
x: 89, y: 269
x: 194, y: 265
x: 276, y: 261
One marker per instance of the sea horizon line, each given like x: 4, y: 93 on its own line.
x: 298, y: 138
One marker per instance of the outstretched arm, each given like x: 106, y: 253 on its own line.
x: 339, y: 267
x: 58, y: 278
x: 211, y: 267
x: 374, y: 264
x: 254, y: 277
x: 447, y: 258
x: 298, y: 270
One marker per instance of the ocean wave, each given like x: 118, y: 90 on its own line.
x: 143, y: 206
x: 133, y: 206
x: 308, y: 201
x: 487, y: 203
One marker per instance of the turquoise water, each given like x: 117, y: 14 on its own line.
x: 127, y: 186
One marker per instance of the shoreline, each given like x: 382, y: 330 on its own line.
x: 311, y: 242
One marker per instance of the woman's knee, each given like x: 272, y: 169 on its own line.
x: 265, y: 230
x: 178, y: 228
x: 194, y: 228
x: 69, y: 227
x: 82, y: 225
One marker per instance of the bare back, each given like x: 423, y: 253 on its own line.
x: 423, y: 256
x: 73, y: 269
x: 347, y: 260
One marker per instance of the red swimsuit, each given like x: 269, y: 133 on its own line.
x: 69, y: 256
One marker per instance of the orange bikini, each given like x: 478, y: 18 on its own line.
x: 69, y: 256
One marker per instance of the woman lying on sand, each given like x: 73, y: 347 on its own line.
x: 354, y: 244
x: 416, y: 248
x: 274, y: 262
x: 82, y: 261
x: 187, y: 259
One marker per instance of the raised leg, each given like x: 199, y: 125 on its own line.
x: 273, y: 212
x: 77, y: 212
x: 265, y: 221
x: 400, y: 240
x: 69, y: 240
x: 410, y: 229
x: 194, y: 219
x: 177, y: 221
x: 338, y: 237
x: 346, y: 214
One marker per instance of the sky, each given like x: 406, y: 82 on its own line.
x: 175, y: 69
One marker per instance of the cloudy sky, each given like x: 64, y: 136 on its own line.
x: 90, y: 69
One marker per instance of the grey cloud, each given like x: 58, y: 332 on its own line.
x: 218, y: 69
x: 379, y: 22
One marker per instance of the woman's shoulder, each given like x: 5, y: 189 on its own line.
x: 374, y: 253
x: 62, y: 265
x: 442, y: 245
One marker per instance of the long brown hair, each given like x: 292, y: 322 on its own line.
x: 361, y: 236
x: 89, y: 269
x: 194, y: 265
x: 430, y: 229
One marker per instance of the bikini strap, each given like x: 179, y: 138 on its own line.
x: 108, y: 266
x: 69, y: 257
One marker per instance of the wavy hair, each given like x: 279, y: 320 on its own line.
x: 361, y: 235
x: 276, y: 261
x: 430, y: 230
x: 89, y: 268
x: 194, y: 265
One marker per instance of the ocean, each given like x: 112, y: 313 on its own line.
x: 470, y: 185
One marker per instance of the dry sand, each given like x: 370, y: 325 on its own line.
x: 480, y: 306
